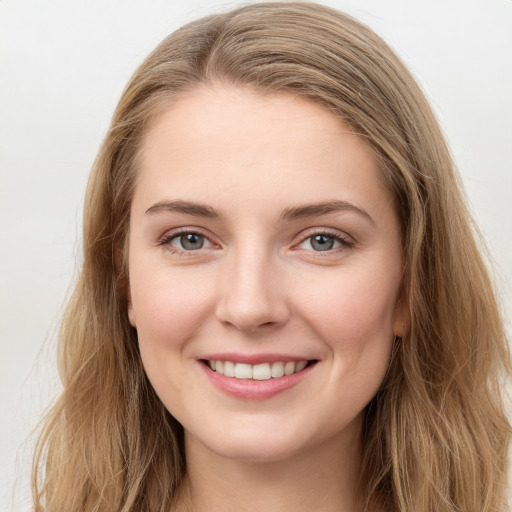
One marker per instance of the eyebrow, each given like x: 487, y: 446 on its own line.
x: 294, y: 213
x: 324, y: 208
x: 190, y: 208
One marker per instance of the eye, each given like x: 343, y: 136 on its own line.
x: 190, y: 241
x: 321, y: 242
x: 186, y: 241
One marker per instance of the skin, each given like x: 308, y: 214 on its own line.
x: 258, y: 285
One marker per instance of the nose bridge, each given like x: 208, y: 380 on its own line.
x: 251, y: 295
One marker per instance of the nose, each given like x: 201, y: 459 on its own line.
x: 253, y: 298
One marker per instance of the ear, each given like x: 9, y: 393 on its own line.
x: 123, y: 280
x: 402, y: 318
x: 131, y: 312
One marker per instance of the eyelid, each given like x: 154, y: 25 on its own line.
x: 168, y: 236
x: 346, y: 240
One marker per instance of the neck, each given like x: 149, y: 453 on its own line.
x: 324, y: 478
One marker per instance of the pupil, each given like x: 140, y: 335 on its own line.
x: 192, y: 241
x: 322, y: 242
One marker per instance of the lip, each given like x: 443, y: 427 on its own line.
x: 255, y: 358
x: 250, y: 389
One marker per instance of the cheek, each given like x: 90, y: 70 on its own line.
x: 353, y: 312
x: 168, y: 307
x: 356, y: 322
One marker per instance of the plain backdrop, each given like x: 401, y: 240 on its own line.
x: 63, y: 66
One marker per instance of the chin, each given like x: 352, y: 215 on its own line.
x: 260, y: 452
x: 258, y: 444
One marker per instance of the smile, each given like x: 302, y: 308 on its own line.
x: 263, y: 371
x: 255, y: 377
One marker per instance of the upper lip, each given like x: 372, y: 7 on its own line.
x: 254, y: 358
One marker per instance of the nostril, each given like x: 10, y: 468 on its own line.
x: 251, y: 306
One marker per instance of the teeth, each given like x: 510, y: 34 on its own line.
x: 243, y: 371
x: 264, y: 371
x: 300, y: 366
x: 277, y: 370
x: 289, y: 368
x: 261, y: 371
x: 229, y: 369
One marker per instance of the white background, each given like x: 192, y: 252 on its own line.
x: 63, y: 65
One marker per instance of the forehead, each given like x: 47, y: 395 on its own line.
x: 227, y: 142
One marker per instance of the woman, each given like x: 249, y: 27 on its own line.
x: 282, y: 302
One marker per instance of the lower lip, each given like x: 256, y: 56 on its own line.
x: 251, y: 389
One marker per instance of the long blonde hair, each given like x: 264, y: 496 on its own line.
x: 435, y: 437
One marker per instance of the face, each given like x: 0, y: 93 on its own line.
x: 264, y: 272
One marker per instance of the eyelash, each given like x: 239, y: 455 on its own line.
x: 344, y: 241
x: 165, y: 241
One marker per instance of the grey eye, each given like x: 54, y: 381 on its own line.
x: 321, y: 242
x: 190, y: 241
